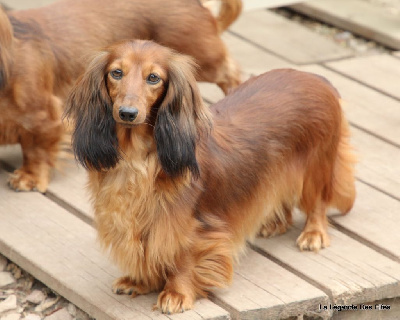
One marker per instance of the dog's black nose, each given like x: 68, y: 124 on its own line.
x: 128, y: 113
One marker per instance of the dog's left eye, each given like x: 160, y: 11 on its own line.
x: 116, y: 74
x: 153, y: 79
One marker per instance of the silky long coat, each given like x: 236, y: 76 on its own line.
x: 178, y: 188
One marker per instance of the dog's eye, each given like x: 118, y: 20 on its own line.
x: 153, y: 79
x: 116, y: 74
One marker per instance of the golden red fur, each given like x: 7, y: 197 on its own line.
x: 178, y: 188
x: 43, y: 50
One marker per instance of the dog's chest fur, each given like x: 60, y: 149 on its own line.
x: 134, y: 218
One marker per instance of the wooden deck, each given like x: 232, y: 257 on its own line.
x: 51, y: 236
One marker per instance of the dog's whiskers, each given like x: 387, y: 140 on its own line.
x: 149, y: 124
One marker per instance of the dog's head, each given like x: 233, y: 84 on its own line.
x: 132, y: 84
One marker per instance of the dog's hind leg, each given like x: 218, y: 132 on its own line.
x: 315, y: 233
x: 341, y: 194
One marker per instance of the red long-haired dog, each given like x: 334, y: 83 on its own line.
x: 42, y: 50
x: 178, y: 188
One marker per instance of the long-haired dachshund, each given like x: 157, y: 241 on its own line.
x: 178, y: 188
x: 42, y: 50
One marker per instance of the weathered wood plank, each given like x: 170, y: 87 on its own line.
x: 67, y: 184
x: 378, y: 71
x: 378, y: 162
x: 261, y: 289
x: 375, y: 218
x: 293, y: 42
x: 258, y: 4
x: 360, y: 17
x: 252, y: 4
x: 365, y: 107
x: 61, y: 251
x: 351, y: 272
x: 251, y: 59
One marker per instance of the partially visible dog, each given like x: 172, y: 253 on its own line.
x: 42, y: 51
x: 178, y: 188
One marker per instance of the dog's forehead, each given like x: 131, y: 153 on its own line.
x: 145, y: 54
x: 140, y: 51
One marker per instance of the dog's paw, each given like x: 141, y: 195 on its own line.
x: 313, y: 240
x: 272, y: 228
x: 170, y: 301
x: 126, y: 285
x: 21, y: 180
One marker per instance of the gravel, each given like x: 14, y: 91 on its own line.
x: 359, y: 45
x: 22, y: 297
x: 344, y: 38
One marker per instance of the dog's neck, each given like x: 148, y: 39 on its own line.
x: 135, y: 142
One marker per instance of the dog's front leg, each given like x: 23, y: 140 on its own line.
x: 128, y: 285
x: 179, y: 292
x: 40, y: 146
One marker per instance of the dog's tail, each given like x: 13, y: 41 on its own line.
x: 344, y: 191
x: 229, y: 11
x: 6, y: 43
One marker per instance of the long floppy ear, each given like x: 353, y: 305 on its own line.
x: 94, y: 139
x: 6, y: 44
x: 181, y: 119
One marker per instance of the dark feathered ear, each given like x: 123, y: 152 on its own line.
x: 181, y: 118
x: 6, y: 43
x: 94, y: 139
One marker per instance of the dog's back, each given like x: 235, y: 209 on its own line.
x: 280, y: 140
x: 75, y: 28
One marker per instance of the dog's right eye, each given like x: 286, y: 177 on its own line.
x: 116, y: 74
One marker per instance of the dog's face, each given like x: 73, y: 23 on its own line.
x: 135, y: 83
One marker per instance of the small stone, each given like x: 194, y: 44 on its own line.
x: 28, y: 282
x: 36, y: 297
x: 3, y: 262
x: 71, y: 309
x: 360, y: 47
x: 11, y: 316
x: 46, y: 304
x: 6, y: 293
x: 81, y: 315
x: 15, y: 270
x: 6, y: 279
x: 9, y: 304
x: 343, y: 36
x: 32, y: 316
x: 61, y: 314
